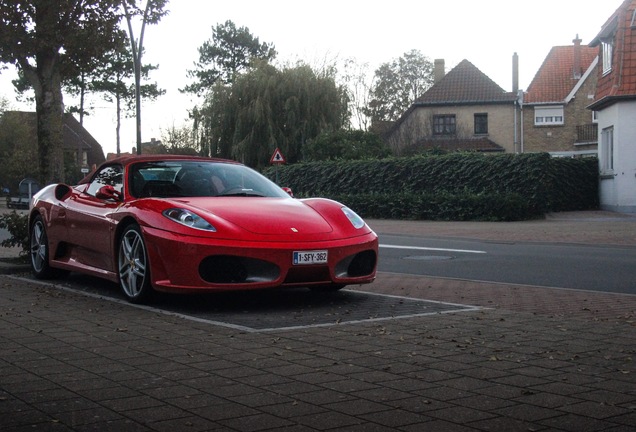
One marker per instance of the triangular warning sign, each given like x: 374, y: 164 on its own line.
x: 277, y: 157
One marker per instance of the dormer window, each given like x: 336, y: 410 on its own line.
x: 608, y: 48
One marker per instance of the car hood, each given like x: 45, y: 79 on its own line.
x: 260, y: 215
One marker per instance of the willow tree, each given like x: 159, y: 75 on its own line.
x: 231, y: 52
x: 268, y: 108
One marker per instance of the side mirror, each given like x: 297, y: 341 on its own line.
x: 62, y: 192
x: 288, y: 190
x: 108, y: 193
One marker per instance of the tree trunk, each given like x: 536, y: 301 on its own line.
x: 118, y: 126
x: 50, y: 111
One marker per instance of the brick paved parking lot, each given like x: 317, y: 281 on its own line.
x: 525, y: 359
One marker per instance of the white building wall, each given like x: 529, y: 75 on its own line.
x: 618, y: 192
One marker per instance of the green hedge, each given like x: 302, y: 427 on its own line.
x: 574, y: 184
x: 455, y: 186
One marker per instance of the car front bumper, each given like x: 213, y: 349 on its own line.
x: 179, y: 263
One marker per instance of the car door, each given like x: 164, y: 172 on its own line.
x: 90, y: 227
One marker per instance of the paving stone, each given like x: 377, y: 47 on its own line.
x: 256, y: 422
x: 577, y: 423
x: 327, y: 420
x: 537, y: 359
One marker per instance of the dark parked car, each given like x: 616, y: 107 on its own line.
x: 27, y: 188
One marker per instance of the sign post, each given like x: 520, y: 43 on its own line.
x: 277, y: 159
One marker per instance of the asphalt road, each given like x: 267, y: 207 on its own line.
x: 587, y: 267
x: 603, y: 268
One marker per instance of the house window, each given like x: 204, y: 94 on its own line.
x: 607, y: 57
x: 594, y: 116
x: 444, y: 124
x: 607, y: 151
x: 548, y: 116
x: 481, y: 124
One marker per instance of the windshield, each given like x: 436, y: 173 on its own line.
x: 198, y: 179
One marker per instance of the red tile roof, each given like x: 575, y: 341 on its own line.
x: 465, y: 84
x: 555, y: 78
x: 620, y: 83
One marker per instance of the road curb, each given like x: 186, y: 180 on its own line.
x: 13, y: 268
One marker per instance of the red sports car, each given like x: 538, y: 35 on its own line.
x: 190, y: 224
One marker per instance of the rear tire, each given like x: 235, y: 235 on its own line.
x: 39, y: 251
x: 133, y: 265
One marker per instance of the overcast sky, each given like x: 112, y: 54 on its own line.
x: 487, y: 33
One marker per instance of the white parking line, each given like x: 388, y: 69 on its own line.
x: 453, y: 308
x: 431, y: 249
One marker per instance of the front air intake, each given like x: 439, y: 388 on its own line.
x: 229, y: 269
x: 358, y: 265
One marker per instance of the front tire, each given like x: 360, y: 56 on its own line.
x: 39, y: 251
x: 133, y: 266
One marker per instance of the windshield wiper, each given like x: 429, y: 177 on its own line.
x: 241, y: 192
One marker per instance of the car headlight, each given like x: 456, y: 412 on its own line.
x: 189, y: 219
x: 355, y: 220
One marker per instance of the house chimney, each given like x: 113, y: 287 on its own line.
x: 439, y: 70
x: 515, y: 73
x: 576, y: 62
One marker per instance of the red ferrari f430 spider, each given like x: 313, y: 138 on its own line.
x: 190, y: 224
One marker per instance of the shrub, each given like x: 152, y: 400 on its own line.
x: 17, y: 225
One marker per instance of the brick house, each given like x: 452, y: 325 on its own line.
x: 615, y: 104
x: 78, y: 143
x: 463, y: 110
x: 555, y: 114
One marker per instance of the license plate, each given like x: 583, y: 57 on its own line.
x: 310, y: 257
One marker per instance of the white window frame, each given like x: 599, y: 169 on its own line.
x: 549, y: 115
x: 607, y: 150
x: 608, y: 48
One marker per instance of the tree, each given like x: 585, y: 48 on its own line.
x: 357, y: 82
x: 5, y: 105
x: 345, y: 144
x: 17, y: 149
x: 398, y: 84
x: 267, y: 108
x: 231, y: 51
x: 152, y: 14
x: 41, y: 38
x: 113, y: 80
x: 178, y: 141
